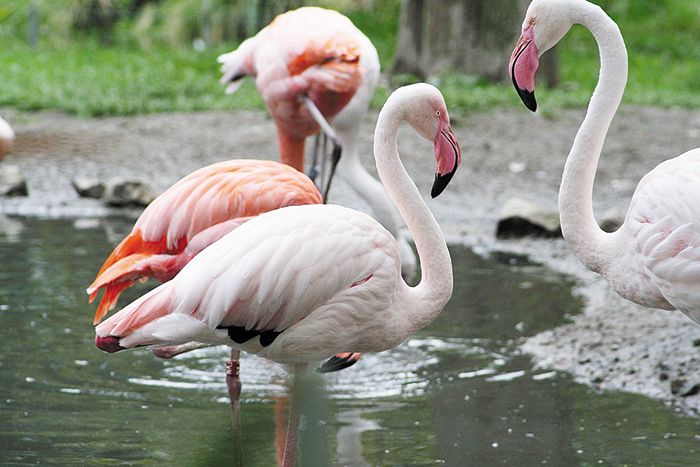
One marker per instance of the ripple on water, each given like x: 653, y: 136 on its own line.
x: 400, y: 372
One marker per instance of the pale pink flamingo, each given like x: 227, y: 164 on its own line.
x: 316, y: 71
x: 7, y: 138
x: 653, y: 259
x: 301, y: 283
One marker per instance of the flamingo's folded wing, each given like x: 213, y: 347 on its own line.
x: 667, y: 219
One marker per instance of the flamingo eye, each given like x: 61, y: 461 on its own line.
x: 532, y: 21
x: 438, y: 113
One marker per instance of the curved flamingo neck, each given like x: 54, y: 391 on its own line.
x: 422, y: 303
x: 578, y: 223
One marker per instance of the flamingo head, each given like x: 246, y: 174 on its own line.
x: 427, y: 114
x: 546, y: 22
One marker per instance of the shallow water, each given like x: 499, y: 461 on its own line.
x: 458, y: 393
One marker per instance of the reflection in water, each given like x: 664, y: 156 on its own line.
x: 458, y: 393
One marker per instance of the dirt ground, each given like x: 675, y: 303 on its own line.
x: 612, y: 345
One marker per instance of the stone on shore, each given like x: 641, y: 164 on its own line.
x: 521, y: 218
x: 12, y: 182
x: 88, y: 187
x: 128, y: 193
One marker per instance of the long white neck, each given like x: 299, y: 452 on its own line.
x: 578, y: 223
x: 418, y: 305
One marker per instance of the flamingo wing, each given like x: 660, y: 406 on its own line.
x: 196, y: 211
x: 666, y: 213
x: 267, y: 276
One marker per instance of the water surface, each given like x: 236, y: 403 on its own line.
x: 458, y: 393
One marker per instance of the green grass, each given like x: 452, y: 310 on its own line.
x: 82, y: 77
x: 90, y: 80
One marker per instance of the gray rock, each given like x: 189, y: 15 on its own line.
x: 123, y: 193
x: 88, y: 187
x: 521, y: 218
x: 12, y: 182
x: 683, y: 388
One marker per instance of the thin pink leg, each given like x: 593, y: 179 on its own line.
x: 290, y: 445
x: 233, y: 383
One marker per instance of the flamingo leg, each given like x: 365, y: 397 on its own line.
x: 233, y: 384
x: 290, y: 444
x: 325, y: 183
x: 313, y: 167
x: 172, y: 350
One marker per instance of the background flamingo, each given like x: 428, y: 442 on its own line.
x: 7, y: 138
x: 653, y: 259
x: 313, y: 66
x: 301, y: 283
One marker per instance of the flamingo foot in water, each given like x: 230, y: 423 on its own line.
x: 233, y: 384
x: 339, y: 362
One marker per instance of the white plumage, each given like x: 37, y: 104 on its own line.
x: 307, y: 282
x: 653, y: 259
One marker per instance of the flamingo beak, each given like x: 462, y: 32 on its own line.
x: 448, y: 156
x: 523, y: 64
x: 109, y: 344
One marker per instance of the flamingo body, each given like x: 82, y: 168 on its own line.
x: 302, y: 283
x: 310, y: 51
x: 193, y: 213
x: 261, y: 282
x: 653, y: 259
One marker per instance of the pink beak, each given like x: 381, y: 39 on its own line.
x: 448, y: 156
x: 523, y: 64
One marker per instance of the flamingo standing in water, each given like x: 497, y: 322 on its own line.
x: 312, y: 66
x: 653, y: 259
x: 7, y: 138
x: 301, y: 283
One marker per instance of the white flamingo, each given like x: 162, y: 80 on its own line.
x: 653, y: 259
x: 302, y: 283
x: 7, y: 138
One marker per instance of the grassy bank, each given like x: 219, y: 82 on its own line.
x: 87, y: 79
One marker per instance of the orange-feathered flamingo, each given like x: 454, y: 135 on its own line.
x: 316, y: 71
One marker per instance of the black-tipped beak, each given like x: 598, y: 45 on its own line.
x: 528, y: 97
x: 441, y: 182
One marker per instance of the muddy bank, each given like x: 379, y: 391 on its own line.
x: 612, y: 345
